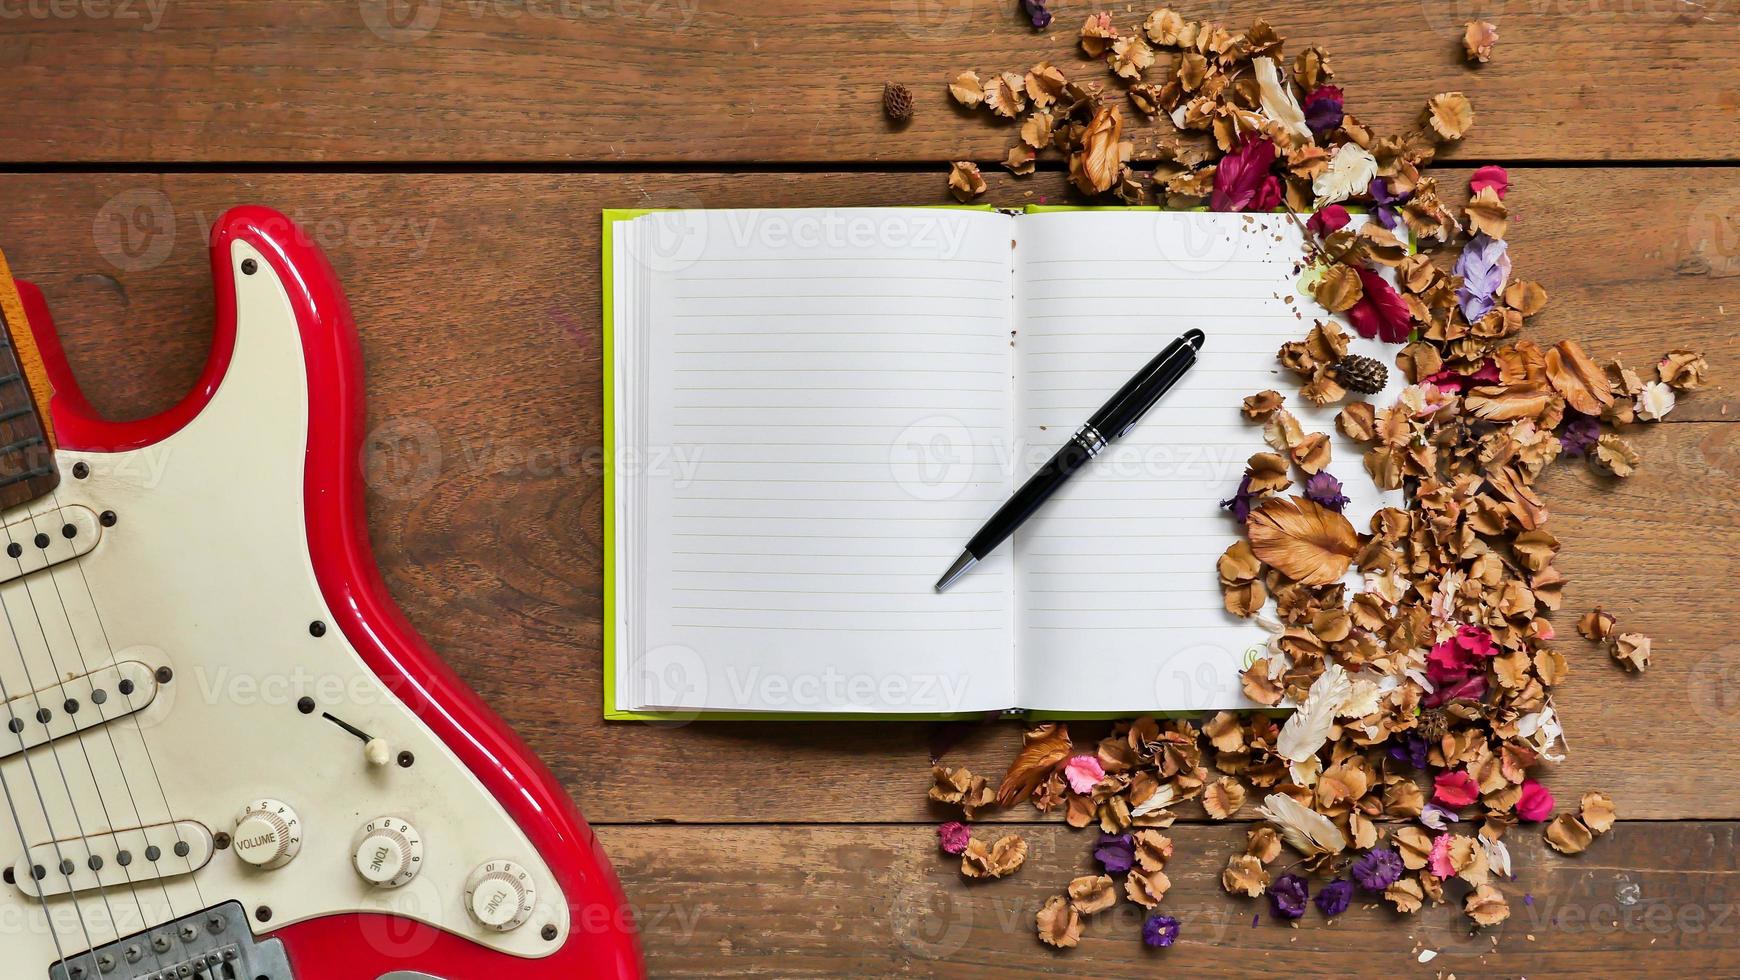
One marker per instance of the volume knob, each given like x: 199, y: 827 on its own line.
x: 389, y: 852
x: 500, y: 895
x: 268, y: 834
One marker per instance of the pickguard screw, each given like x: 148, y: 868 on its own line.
x: 263, y: 913
x: 317, y: 628
x: 406, y: 760
x: 81, y: 470
x: 221, y: 841
x: 107, y: 517
x: 305, y: 705
x: 249, y: 267
x: 216, y: 923
x: 165, y: 675
x: 550, y: 933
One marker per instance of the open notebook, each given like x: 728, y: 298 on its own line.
x: 812, y: 410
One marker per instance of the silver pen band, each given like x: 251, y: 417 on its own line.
x: 1090, y: 440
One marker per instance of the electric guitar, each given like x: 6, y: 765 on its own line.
x: 223, y: 750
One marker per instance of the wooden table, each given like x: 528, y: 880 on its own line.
x: 452, y: 159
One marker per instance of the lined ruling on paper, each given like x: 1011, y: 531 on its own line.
x: 819, y: 407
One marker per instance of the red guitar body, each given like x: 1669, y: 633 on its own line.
x: 597, y: 931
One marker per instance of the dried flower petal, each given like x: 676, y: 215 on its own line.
x: 1615, y: 456
x: 965, y: 182
x: 1332, y: 899
x: 1350, y: 171
x: 1159, y: 931
x: 1655, y: 401
x: 1146, y: 888
x: 1477, y: 41
x: 1059, y: 923
x: 952, y: 837
x: 1632, y: 651
x: 1486, y: 906
x: 1244, y: 875
x: 1287, y: 896
x: 1223, y: 798
x: 1682, y: 369
x: 1242, y: 181
x: 1536, y: 802
x: 1597, y: 812
x: 993, y: 861
x: 1092, y: 893
x: 1450, y: 115
x: 1095, y: 167
x: 967, y: 89
x: 1568, y: 835
x: 1304, y: 540
x: 1083, y: 772
x: 1377, y: 869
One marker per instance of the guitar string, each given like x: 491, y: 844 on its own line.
x: 23, y: 840
x: 78, y: 562
x: 41, y: 800
x: 77, y: 734
x: 114, y: 749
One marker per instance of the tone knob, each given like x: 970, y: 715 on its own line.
x: 268, y: 834
x: 500, y: 895
x: 389, y: 852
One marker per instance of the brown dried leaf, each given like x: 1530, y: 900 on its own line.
x: 1486, y: 906
x: 1477, y: 41
x: 1094, y: 168
x: 1245, y: 875
x: 1092, y: 893
x: 1339, y: 288
x: 995, y: 860
x: 1632, y: 651
x: 1006, y: 95
x: 1130, y: 57
x: 1260, y: 406
x: 1044, y: 748
x: 1097, y: 34
x: 1153, y: 849
x: 1223, y: 798
x: 967, y: 89
x: 1682, y: 369
x: 1614, y: 456
x: 1598, y: 812
x: 1450, y: 115
x: 1043, y: 84
x: 1146, y: 888
x: 1486, y: 212
x: 1303, y: 540
x: 965, y: 181
x: 1576, y: 376
x: 1568, y: 835
x: 1526, y: 297
x: 1059, y: 923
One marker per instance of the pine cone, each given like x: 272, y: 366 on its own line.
x: 1365, y: 375
x: 1434, y: 725
x: 897, y: 101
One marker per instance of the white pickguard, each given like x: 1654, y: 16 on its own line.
x: 207, y: 571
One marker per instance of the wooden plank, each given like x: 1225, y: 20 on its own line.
x: 797, y: 80
x: 477, y: 298
x: 1655, y: 900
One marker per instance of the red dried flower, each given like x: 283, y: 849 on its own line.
x: 1492, y: 176
x: 1242, y: 181
x: 1455, y: 789
x: 1380, y: 312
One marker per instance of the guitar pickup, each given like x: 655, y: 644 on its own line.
x: 49, y: 538
x: 117, y: 859
x: 101, y: 696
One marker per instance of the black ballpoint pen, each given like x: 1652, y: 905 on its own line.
x: 1116, y: 417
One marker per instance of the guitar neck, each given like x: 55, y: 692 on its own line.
x: 27, y: 468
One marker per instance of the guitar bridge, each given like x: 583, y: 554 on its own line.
x: 211, y: 945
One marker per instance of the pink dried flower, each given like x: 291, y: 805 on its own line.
x: 952, y: 837
x: 1380, y: 313
x: 1084, y: 772
x: 1492, y: 176
x: 1455, y: 789
x: 1439, y: 859
x: 1536, y: 802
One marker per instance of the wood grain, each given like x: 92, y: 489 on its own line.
x: 731, y: 901
x: 613, y: 81
x: 477, y: 299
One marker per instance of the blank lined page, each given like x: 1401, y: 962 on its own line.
x: 826, y: 395
x: 1120, y: 606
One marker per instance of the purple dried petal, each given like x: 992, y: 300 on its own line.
x: 1412, y: 749
x: 952, y: 837
x: 1323, y: 110
x: 1580, y: 433
x: 1484, y: 266
x: 1240, y: 503
x: 1287, y: 895
x: 1334, y: 897
x: 1377, y: 869
x: 1326, y: 490
x: 1036, y: 13
x: 1160, y: 931
x: 1116, y: 853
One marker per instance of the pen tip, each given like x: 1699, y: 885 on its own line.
x: 959, y: 568
x: 1195, y: 338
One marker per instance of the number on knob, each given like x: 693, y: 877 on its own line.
x: 268, y: 834
x: 500, y: 895
x: 389, y: 852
